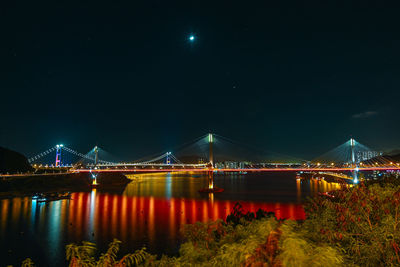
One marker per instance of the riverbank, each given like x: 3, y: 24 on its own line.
x: 73, y: 182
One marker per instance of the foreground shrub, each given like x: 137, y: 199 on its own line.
x: 296, y: 249
x: 83, y: 255
x: 249, y: 240
x: 220, y: 244
x: 363, y: 222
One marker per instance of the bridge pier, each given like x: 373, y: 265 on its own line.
x: 355, y: 176
x: 353, y: 161
x: 94, y: 178
x: 211, y: 188
x: 210, y: 180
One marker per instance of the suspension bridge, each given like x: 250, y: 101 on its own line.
x: 214, y: 153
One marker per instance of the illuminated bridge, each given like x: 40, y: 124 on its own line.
x: 213, y: 153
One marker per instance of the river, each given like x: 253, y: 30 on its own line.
x: 147, y: 212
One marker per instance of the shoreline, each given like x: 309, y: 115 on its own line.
x: 73, y: 182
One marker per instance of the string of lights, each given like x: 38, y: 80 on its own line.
x: 42, y: 154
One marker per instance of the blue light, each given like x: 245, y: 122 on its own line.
x: 191, y: 38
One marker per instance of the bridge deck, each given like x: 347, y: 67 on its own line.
x: 237, y: 170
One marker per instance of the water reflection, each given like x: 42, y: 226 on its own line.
x: 314, y: 186
x: 164, y: 185
x: 298, y: 189
x: 150, y: 212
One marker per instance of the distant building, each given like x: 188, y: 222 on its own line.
x: 366, y: 155
x: 219, y: 165
x: 230, y: 165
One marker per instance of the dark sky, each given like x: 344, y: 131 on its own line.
x: 295, y: 77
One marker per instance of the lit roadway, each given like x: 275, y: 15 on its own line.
x: 239, y: 170
x: 147, y: 170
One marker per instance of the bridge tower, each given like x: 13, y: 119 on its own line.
x: 168, y: 158
x: 96, y: 155
x: 211, y: 188
x: 211, y: 158
x: 353, y: 160
x: 210, y: 149
x: 58, y: 155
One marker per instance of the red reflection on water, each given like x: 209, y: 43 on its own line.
x: 137, y: 221
x: 128, y: 218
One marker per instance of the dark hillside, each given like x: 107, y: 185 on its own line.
x: 13, y: 162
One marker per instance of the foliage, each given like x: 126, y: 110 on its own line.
x: 27, y: 263
x: 297, y: 250
x: 82, y: 256
x: 249, y: 241
x: 238, y: 213
x: 218, y: 243
x: 363, y: 222
x: 267, y: 252
x: 357, y: 226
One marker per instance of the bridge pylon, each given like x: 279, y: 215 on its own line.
x: 353, y: 160
x: 96, y: 155
x: 210, y: 149
x: 211, y: 188
x: 168, y: 158
x: 58, y: 155
x: 211, y: 160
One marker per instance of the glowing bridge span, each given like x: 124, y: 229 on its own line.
x: 129, y: 170
x: 351, y: 157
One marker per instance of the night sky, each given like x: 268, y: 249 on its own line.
x: 293, y: 77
